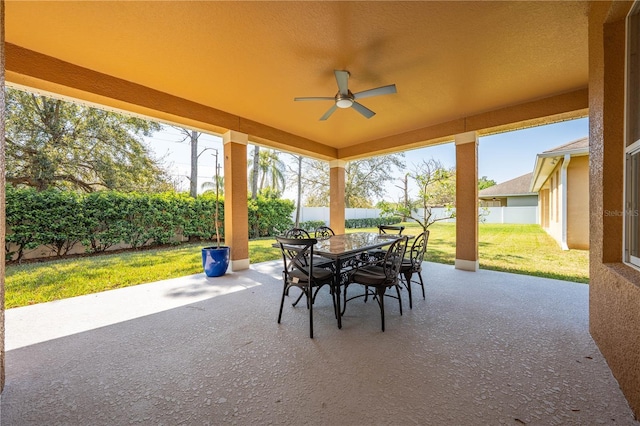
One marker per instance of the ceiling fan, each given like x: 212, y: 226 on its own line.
x: 345, y: 99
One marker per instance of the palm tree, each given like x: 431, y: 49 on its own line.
x: 211, y: 185
x: 253, y: 177
x: 270, y: 171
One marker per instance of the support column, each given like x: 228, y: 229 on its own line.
x: 2, y: 193
x: 564, y: 204
x: 467, y: 201
x: 236, y: 213
x: 336, y: 195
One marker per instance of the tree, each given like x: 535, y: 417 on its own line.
x: 364, y: 180
x: 484, y: 183
x: 436, y: 188
x: 296, y: 174
x: 253, y: 172
x: 193, y: 178
x: 55, y: 144
x: 406, y: 200
x: 269, y: 171
x: 193, y: 137
x: 211, y: 185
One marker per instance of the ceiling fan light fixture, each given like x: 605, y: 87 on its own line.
x: 344, y: 102
x: 345, y: 99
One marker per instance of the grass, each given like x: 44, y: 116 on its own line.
x: 522, y: 249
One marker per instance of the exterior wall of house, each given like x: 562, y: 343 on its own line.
x: 492, y: 202
x: 578, y: 203
x: 2, y: 195
x: 543, y: 207
x: 552, y: 223
x: 614, y: 288
x: 522, y: 201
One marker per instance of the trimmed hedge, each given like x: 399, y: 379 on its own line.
x: 311, y: 225
x: 372, y: 222
x: 60, y: 220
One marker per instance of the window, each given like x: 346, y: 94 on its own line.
x: 632, y: 204
x: 632, y: 151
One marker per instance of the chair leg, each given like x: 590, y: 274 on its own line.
x: 407, y: 277
x: 422, y: 284
x: 399, y: 298
x: 284, y: 293
x: 380, y: 294
x: 298, y: 299
x: 309, y: 294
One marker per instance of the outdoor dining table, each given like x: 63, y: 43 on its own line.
x: 346, y: 251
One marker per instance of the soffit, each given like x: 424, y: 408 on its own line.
x: 449, y: 60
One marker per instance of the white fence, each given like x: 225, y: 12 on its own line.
x: 528, y: 214
x: 322, y: 213
x: 525, y: 214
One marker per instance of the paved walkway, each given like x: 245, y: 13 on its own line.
x: 484, y: 348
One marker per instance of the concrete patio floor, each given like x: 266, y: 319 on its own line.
x: 483, y: 348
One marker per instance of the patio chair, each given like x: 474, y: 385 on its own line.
x: 380, y: 275
x: 385, y: 229
x: 413, y: 264
x: 323, y: 232
x: 390, y: 229
x: 301, y: 233
x: 299, y: 271
x: 296, y: 233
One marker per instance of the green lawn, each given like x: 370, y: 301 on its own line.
x: 523, y: 249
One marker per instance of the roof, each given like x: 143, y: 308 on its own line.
x: 217, y: 66
x: 515, y: 187
x: 579, y: 145
x: 546, y: 162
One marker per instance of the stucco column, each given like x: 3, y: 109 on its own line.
x: 2, y: 195
x: 236, y: 213
x: 564, y: 205
x: 336, y: 195
x: 467, y: 201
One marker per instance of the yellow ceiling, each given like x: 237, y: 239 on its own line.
x: 457, y: 65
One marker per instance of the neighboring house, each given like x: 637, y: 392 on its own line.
x: 561, y: 179
x: 512, y: 193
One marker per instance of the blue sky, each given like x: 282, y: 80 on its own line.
x: 500, y: 157
x: 506, y: 156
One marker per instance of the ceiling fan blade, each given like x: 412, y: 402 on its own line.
x: 384, y: 90
x: 328, y: 113
x: 363, y: 110
x: 315, y: 98
x: 342, y: 77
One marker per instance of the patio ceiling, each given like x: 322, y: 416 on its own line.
x: 218, y: 66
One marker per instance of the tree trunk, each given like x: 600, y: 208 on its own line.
x: 406, y: 195
x: 193, y: 180
x: 299, y: 201
x: 256, y: 168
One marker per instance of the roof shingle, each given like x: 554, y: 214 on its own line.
x: 516, y: 186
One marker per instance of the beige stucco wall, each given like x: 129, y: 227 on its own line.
x: 552, y: 223
x: 550, y: 203
x: 2, y: 195
x: 578, y: 203
x: 614, y: 290
x: 543, y: 207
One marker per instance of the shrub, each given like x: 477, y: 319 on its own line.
x: 269, y: 216
x: 311, y: 225
x: 372, y: 222
x: 61, y: 219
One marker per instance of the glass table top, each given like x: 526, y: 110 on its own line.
x: 352, y: 243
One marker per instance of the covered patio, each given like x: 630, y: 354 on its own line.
x: 462, y: 70
x: 507, y: 349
